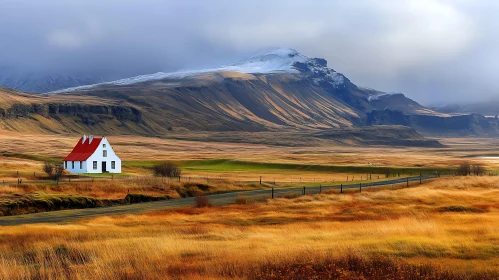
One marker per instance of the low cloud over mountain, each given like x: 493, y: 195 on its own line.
x: 432, y: 50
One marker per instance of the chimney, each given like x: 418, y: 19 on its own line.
x: 84, y: 138
x: 91, y: 137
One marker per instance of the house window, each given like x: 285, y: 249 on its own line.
x: 103, y: 145
x: 104, y: 153
x: 81, y: 164
x: 65, y: 165
x: 95, y: 165
x: 113, y: 164
x: 72, y: 165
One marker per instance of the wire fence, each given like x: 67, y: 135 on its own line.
x: 279, y: 192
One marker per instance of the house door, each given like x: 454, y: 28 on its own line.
x: 104, y: 169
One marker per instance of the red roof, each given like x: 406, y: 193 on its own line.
x: 83, y: 151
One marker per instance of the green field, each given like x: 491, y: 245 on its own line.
x: 234, y: 165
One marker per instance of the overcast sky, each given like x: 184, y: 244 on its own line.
x: 432, y: 50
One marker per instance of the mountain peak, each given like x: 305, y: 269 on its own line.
x: 282, y: 59
x: 271, y: 61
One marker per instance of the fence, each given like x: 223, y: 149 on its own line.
x: 276, y: 192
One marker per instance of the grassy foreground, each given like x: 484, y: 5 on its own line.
x: 446, y: 229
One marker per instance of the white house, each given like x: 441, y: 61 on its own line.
x: 92, y: 155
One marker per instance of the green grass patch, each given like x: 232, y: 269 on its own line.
x: 214, y: 165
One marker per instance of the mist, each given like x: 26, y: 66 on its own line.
x: 434, y: 51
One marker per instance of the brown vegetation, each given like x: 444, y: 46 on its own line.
x: 444, y: 229
x: 167, y: 169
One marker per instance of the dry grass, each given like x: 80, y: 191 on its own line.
x: 37, y: 147
x: 404, y: 229
x: 118, y: 189
x: 148, y: 148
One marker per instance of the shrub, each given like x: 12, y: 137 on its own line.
x: 388, y: 172
x: 59, y: 170
x: 242, y: 200
x: 202, y: 201
x: 167, y: 169
x: 478, y: 170
x: 48, y: 168
x: 459, y: 208
x: 464, y: 169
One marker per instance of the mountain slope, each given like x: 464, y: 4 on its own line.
x: 280, y: 88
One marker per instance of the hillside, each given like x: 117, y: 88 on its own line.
x: 67, y: 114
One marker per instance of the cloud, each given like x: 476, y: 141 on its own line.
x: 432, y: 50
x: 64, y: 39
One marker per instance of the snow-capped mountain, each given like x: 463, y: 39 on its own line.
x: 274, y: 61
x: 271, y: 90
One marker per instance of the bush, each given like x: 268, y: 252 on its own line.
x: 202, y: 201
x: 478, y: 170
x: 466, y: 169
x: 388, y: 172
x: 242, y: 200
x: 48, y: 168
x: 59, y: 170
x: 167, y: 169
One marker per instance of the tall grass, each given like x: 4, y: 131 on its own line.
x: 388, y: 234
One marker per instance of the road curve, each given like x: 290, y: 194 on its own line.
x: 65, y: 216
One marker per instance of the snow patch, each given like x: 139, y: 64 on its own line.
x: 274, y: 61
x: 379, y: 95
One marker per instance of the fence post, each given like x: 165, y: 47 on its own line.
x: 420, y: 178
x: 407, y: 181
x: 320, y: 188
x: 260, y: 180
x: 360, y: 187
x: 303, y: 190
x: 341, y: 188
x: 272, y: 192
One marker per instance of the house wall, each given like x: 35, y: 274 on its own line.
x: 77, y: 168
x: 99, y: 158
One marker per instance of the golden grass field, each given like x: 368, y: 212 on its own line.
x: 449, y: 224
x: 444, y: 229
x: 136, y: 148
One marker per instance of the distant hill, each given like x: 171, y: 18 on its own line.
x: 489, y: 108
x: 33, y: 82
